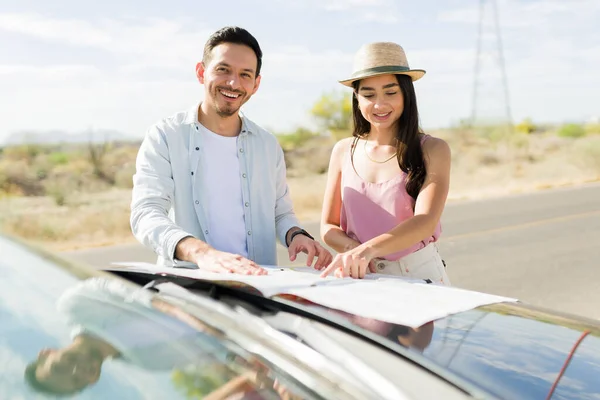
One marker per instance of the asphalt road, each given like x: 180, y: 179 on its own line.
x: 542, y: 248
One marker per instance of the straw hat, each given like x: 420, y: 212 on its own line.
x: 381, y: 58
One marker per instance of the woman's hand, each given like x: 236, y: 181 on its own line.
x: 355, y: 263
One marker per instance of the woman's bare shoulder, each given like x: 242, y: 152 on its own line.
x: 435, y: 147
x: 341, y: 147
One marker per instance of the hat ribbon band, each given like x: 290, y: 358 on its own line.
x: 376, y: 70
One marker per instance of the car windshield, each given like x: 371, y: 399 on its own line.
x: 100, y: 337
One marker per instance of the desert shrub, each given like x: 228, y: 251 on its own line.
x: 296, y: 139
x: 489, y: 158
x: 25, y: 152
x: 587, y: 153
x: 58, y: 158
x: 526, y: 126
x: 592, y: 129
x: 571, y: 130
x: 124, y: 176
x: 17, y: 178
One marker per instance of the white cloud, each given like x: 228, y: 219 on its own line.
x: 69, y: 31
x: 384, y: 18
x: 381, y: 11
x: 516, y: 13
x: 299, y: 64
x: 149, y: 67
x: 339, y: 5
x: 550, y: 48
x: 159, y: 41
x: 48, y: 72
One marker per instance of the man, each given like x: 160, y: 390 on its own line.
x: 113, y: 320
x: 210, y: 185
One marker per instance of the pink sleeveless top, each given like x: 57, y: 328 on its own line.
x: 371, y: 209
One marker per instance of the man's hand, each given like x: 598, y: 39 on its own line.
x: 222, y: 262
x: 209, y: 259
x: 304, y: 244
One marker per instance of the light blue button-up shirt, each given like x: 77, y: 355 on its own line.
x: 168, y: 197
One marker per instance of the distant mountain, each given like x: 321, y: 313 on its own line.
x: 58, y: 137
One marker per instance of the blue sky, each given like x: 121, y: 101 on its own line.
x: 74, y: 65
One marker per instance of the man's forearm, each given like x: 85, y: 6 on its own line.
x: 189, y: 248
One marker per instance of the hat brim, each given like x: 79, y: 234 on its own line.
x: 415, y: 74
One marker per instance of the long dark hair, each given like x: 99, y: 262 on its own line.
x: 408, y: 143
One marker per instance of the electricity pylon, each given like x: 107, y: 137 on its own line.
x: 484, y: 55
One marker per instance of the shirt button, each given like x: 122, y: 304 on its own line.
x: 380, y: 266
x: 243, y: 175
x: 196, y: 127
x: 197, y: 148
x: 246, y: 204
x: 192, y: 172
x: 241, y: 150
x: 197, y: 202
x: 206, y: 232
x: 249, y: 233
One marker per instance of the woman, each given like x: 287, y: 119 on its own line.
x: 387, y: 185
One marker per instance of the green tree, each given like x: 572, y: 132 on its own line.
x: 296, y: 139
x: 526, y: 126
x: 333, y: 111
x: 198, y: 381
x: 571, y: 130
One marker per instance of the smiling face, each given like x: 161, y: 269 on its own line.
x: 68, y: 370
x: 229, y: 78
x: 380, y: 100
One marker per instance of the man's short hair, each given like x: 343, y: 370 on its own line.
x: 37, y: 386
x: 232, y: 34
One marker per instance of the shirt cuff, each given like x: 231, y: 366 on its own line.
x: 171, y: 245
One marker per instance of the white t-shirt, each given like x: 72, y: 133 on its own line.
x: 225, y: 208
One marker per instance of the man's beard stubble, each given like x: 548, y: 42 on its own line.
x: 228, y: 110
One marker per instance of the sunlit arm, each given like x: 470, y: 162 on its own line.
x: 152, y: 197
x: 429, y: 205
x: 331, y: 233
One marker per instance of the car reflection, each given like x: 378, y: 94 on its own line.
x: 414, y: 338
x: 417, y: 339
x: 113, y: 321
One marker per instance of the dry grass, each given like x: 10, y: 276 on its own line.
x: 88, y: 220
x: 70, y: 207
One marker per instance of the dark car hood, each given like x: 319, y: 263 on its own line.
x: 511, y: 350
x: 518, y: 352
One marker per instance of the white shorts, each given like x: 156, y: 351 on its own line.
x: 422, y: 264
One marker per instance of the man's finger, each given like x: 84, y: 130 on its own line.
x: 252, y: 268
x: 322, y: 258
x: 332, y: 266
x: 311, y: 255
x: 292, y: 252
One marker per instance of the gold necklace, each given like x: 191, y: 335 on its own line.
x: 376, y: 161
